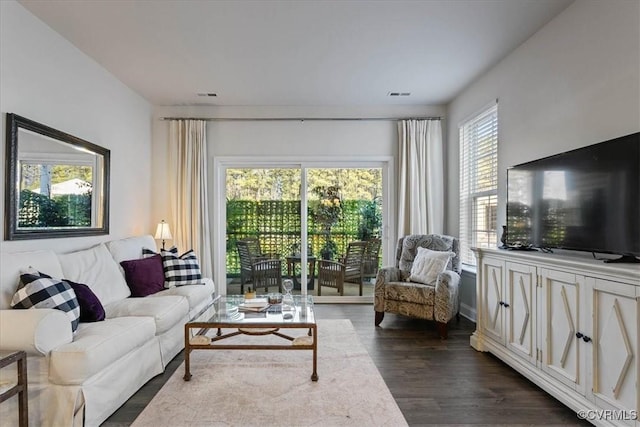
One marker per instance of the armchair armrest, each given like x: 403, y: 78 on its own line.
x: 447, y: 302
x: 385, y: 275
x: 388, y: 274
x: 36, y: 331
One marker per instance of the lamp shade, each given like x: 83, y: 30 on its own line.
x: 163, y: 232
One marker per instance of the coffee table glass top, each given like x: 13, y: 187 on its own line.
x: 227, y: 311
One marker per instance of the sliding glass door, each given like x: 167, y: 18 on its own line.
x: 263, y: 206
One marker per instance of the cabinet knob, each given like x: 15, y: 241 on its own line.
x: 586, y: 338
x: 506, y: 305
x: 579, y: 335
x: 501, y: 302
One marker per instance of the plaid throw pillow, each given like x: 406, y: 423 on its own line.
x: 148, y: 253
x: 180, y: 270
x: 42, y: 291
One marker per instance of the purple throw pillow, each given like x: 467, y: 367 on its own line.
x: 91, y: 309
x: 144, y: 276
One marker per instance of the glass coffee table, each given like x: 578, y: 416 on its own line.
x: 228, y: 315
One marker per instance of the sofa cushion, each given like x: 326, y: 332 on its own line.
x: 410, y: 292
x: 91, y: 309
x: 144, y: 276
x: 96, y: 268
x: 129, y: 248
x: 195, y: 294
x: 41, y: 291
x: 180, y: 270
x: 166, y: 311
x: 96, y: 346
x: 13, y: 264
x: 428, y: 264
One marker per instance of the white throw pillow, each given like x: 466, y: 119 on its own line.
x: 428, y: 264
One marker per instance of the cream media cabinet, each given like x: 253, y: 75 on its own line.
x: 569, y: 323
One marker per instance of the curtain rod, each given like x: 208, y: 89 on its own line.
x: 296, y: 119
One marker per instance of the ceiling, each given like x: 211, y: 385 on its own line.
x: 297, y: 53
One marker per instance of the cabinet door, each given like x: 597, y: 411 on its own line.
x: 492, y: 304
x: 560, y: 326
x: 614, y: 372
x: 520, y: 310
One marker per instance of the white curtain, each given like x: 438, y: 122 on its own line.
x: 188, y: 200
x: 421, y: 177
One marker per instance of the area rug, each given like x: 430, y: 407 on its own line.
x: 273, y: 388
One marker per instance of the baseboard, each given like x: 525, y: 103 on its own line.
x: 468, y: 312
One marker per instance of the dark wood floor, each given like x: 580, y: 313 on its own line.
x: 434, y: 382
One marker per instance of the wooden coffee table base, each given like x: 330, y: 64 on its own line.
x: 202, y: 342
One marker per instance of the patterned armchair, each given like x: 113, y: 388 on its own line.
x: 395, y: 294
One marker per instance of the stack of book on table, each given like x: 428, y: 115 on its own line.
x: 254, y: 305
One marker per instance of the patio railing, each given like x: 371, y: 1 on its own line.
x: 277, y: 224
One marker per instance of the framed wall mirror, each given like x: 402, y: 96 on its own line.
x: 56, y: 185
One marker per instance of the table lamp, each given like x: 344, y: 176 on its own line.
x: 163, y: 232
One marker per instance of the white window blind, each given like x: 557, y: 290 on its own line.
x: 478, y: 183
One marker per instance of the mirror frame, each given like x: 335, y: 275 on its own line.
x: 15, y: 122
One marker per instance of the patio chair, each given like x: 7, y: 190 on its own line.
x: 331, y: 275
x: 352, y: 264
x: 267, y: 273
x: 249, y: 253
x: 371, y: 258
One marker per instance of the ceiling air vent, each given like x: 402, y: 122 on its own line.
x: 207, y: 94
x: 399, y: 94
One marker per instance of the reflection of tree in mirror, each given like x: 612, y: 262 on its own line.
x: 67, y: 210
x: 55, y: 196
x: 42, y: 177
x: 37, y: 210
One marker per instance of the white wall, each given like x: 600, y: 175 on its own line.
x: 45, y: 78
x: 576, y: 82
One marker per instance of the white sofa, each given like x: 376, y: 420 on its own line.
x: 81, y: 378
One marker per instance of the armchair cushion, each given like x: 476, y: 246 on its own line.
x: 428, y: 264
x: 407, y: 249
x: 410, y: 292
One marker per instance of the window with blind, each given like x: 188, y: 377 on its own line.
x: 478, y: 183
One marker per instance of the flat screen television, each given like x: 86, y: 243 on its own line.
x: 586, y: 199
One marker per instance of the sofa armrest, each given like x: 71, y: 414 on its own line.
x: 447, y: 302
x: 206, y: 280
x: 36, y: 331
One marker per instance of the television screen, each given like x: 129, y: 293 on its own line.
x: 586, y: 199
